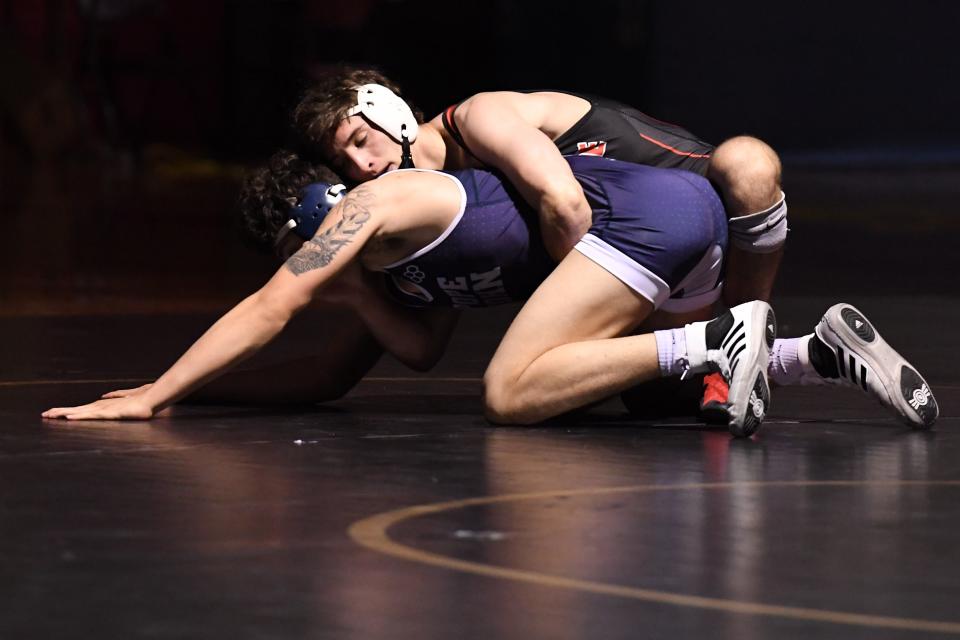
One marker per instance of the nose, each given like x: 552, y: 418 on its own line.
x: 360, y: 164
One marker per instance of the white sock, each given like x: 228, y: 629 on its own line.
x: 671, y: 351
x: 790, y: 361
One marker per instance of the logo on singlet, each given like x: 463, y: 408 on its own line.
x: 475, y: 290
x: 414, y: 274
x: 592, y: 148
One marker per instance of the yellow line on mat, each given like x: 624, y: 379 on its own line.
x: 372, y: 533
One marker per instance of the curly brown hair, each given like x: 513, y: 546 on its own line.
x: 270, y: 190
x: 325, y: 105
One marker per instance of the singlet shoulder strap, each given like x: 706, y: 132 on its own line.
x: 451, y: 126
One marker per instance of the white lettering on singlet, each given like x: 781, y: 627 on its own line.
x: 458, y: 290
x: 481, y: 289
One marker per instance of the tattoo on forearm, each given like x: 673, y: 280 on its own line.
x: 319, y: 252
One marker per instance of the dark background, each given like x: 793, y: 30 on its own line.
x: 125, y: 128
x: 222, y: 76
x: 127, y: 125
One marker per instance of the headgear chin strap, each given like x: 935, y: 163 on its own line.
x: 315, y: 202
x: 387, y: 110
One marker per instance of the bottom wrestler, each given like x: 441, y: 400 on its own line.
x: 567, y: 347
x: 823, y: 357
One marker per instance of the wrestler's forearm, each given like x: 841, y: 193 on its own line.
x: 565, y: 217
x: 237, y: 335
x: 418, y: 338
x: 327, y: 375
x: 310, y: 380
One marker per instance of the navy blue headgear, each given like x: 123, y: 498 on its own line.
x: 315, y: 202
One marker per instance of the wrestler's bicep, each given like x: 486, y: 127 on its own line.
x: 340, y: 239
x: 502, y: 131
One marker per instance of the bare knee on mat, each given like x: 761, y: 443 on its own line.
x: 496, y: 398
x: 503, y: 400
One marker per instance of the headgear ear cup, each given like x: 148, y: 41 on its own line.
x: 315, y: 202
x: 387, y: 110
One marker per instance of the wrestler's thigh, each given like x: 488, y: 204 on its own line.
x: 578, y: 301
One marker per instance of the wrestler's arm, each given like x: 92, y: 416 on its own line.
x: 369, y: 324
x: 418, y: 338
x: 344, y: 352
x: 262, y: 316
x: 350, y: 342
x: 336, y: 363
x: 501, y: 130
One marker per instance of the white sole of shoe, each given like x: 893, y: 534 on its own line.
x: 908, y: 394
x: 749, y: 398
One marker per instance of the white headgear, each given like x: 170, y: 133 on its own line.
x: 387, y: 110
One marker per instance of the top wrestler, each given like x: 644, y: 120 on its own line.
x: 524, y: 134
x: 357, y: 121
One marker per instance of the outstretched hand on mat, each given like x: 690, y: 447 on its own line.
x: 129, y: 408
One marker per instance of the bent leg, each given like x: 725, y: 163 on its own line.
x: 747, y: 172
x: 568, y: 346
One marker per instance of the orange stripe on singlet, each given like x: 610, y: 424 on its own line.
x: 451, y: 126
x: 450, y: 111
x: 689, y: 154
